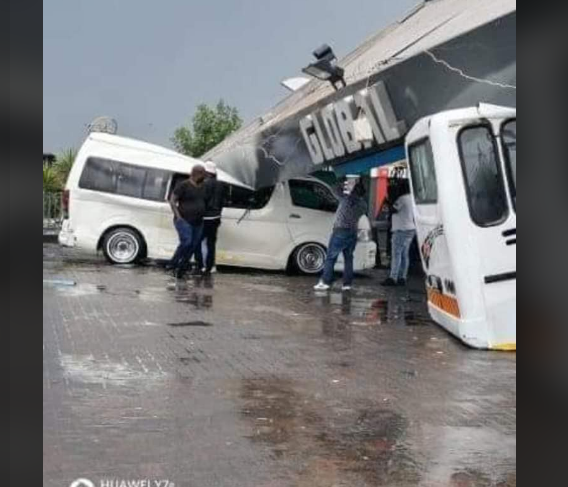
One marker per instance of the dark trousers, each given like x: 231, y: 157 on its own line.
x: 209, y: 242
x: 342, y: 241
x: 189, y: 240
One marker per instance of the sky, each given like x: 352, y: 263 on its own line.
x: 149, y: 63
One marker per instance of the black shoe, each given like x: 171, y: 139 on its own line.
x: 401, y: 283
x: 389, y: 283
x: 179, y: 273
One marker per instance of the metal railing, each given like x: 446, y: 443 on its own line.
x: 52, y: 212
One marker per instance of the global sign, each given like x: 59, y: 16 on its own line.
x: 348, y: 126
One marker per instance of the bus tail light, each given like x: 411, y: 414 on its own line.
x: 65, y: 203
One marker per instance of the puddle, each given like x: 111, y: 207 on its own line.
x: 258, y: 337
x: 411, y: 318
x: 484, y: 458
x: 189, y: 360
x: 367, y: 445
x: 266, y: 288
x: 97, y: 371
x: 188, y: 324
x: 338, y: 328
x: 275, y: 311
x: 473, y: 478
x: 79, y: 290
x: 59, y: 282
x: 198, y: 301
x: 270, y: 405
x: 373, y: 447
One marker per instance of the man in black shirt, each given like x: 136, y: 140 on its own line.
x: 189, y: 204
x: 212, y: 220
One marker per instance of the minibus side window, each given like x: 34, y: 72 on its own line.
x: 245, y: 199
x: 484, y: 180
x: 509, y: 137
x: 423, y: 170
x: 130, y: 180
x: 156, y: 185
x: 313, y: 196
x: 107, y: 176
x: 99, y: 175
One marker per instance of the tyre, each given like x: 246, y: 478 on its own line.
x: 123, y: 246
x: 309, y: 259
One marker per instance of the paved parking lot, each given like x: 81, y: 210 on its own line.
x: 252, y: 380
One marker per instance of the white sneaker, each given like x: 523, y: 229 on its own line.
x: 214, y: 270
x: 322, y: 286
x: 347, y: 288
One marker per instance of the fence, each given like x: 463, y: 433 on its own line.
x: 52, y: 213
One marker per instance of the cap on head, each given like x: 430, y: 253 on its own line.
x: 211, y: 167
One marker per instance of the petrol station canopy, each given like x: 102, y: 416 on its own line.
x: 444, y: 54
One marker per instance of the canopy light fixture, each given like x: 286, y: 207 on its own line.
x: 325, y: 68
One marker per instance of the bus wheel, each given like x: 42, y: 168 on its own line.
x: 123, y: 246
x: 309, y: 259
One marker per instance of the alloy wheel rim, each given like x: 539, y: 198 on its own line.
x: 123, y: 248
x: 311, y: 259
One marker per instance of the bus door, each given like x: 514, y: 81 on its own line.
x: 431, y: 230
x: 488, y: 159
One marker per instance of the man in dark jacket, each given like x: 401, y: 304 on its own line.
x: 345, y: 236
x: 212, y: 220
x: 188, y: 203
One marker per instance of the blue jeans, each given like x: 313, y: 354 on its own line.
x: 189, y: 240
x: 208, y: 245
x: 342, y: 241
x: 401, y: 242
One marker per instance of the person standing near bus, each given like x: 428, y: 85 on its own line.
x: 344, y: 237
x: 212, y: 221
x: 403, y: 233
x: 189, y: 204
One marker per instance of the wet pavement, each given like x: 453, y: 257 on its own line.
x: 252, y: 380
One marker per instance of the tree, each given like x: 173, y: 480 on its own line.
x: 64, y: 164
x: 210, y: 126
x: 51, y: 180
x: 55, y: 175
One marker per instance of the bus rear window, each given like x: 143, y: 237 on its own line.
x: 423, y: 172
x: 484, y: 180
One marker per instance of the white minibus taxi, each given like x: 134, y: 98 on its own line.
x: 463, y: 167
x: 116, y: 201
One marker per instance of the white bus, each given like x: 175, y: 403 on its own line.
x: 463, y: 166
x: 116, y: 201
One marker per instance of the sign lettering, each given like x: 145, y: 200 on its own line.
x: 331, y: 133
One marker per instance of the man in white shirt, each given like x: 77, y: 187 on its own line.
x: 403, y: 233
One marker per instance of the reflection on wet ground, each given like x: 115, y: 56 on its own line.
x: 188, y: 324
x: 256, y: 379
x: 366, y: 444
